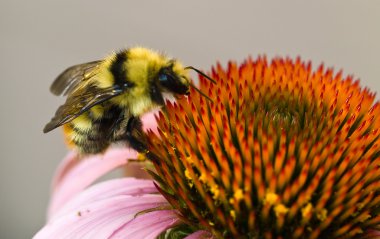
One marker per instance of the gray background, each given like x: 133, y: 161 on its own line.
x: 38, y: 39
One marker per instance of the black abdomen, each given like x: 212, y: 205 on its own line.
x: 100, y: 131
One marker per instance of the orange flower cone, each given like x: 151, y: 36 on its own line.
x: 282, y: 151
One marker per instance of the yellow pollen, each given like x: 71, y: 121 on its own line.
x: 239, y: 195
x: 187, y: 174
x: 268, y: 129
x: 189, y: 178
x: 280, y: 209
x: 307, y: 210
x: 270, y: 198
x: 215, y: 191
x: 191, y: 184
x: 141, y: 157
x: 189, y: 159
x: 233, y: 214
x: 322, y: 215
x: 203, y: 178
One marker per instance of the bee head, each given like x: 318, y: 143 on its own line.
x: 173, y: 78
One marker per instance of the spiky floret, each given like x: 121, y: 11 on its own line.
x: 281, y: 152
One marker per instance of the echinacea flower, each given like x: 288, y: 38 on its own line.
x: 280, y: 152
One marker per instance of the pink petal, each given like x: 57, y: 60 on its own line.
x: 149, y: 121
x: 101, y: 219
x: 85, y: 173
x: 108, y: 189
x: 148, y: 225
x: 371, y: 234
x: 68, y: 163
x: 200, y: 235
x: 136, y: 169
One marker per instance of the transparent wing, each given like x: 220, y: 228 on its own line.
x: 79, y: 102
x: 68, y: 80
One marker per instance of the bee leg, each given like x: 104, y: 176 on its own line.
x: 135, y: 135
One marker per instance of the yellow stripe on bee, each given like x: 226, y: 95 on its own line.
x: 82, y: 122
x: 71, y: 136
x: 104, y: 78
x: 142, y: 65
x: 136, y: 104
x: 148, y: 55
x: 141, y: 62
x: 97, y: 112
x: 141, y: 106
x: 138, y: 70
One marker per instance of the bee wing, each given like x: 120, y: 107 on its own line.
x: 79, y: 102
x: 72, y: 76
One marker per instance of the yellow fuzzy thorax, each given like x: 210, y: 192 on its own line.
x: 142, y: 65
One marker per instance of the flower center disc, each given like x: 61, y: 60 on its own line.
x: 281, y: 152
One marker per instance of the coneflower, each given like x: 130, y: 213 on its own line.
x: 280, y: 151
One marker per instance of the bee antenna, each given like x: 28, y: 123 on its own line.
x: 200, y: 92
x: 201, y: 73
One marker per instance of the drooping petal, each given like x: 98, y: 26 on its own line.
x: 65, y: 166
x: 110, y: 207
x: 200, y: 235
x: 372, y: 234
x: 148, y: 225
x: 103, y: 218
x: 89, y: 169
x: 84, y: 173
x: 108, y: 189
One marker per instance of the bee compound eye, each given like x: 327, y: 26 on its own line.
x: 163, y: 77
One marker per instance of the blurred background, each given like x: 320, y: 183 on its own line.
x: 39, y: 39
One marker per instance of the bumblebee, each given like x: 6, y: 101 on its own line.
x: 105, y: 98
